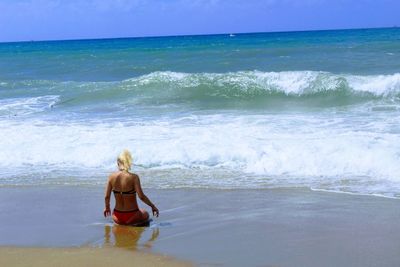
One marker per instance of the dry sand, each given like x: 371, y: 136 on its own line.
x: 43, y: 257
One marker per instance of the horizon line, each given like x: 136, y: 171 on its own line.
x: 193, y: 35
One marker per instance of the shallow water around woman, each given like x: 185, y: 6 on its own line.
x: 274, y: 227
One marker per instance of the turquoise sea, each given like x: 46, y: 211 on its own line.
x: 318, y: 110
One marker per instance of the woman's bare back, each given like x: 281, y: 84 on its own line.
x: 123, y: 186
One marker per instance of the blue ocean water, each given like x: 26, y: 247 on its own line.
x: 302, y: 109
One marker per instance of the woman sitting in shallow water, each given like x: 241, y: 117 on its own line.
x: 125, y: 186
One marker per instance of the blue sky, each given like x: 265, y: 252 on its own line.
x: 78, y: 19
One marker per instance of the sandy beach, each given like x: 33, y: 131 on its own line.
x: 280, y: 227
x: 43, y: 257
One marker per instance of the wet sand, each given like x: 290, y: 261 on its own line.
x: 277, y: 227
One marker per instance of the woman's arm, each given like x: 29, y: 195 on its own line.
x: 107, y: 210
x: 143, y: 197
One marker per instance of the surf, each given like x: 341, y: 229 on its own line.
x: 243, y: 89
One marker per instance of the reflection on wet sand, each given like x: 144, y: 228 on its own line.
x: 128, y: 236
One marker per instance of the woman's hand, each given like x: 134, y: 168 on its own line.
x: 155, y: 211
x: 107, y: 212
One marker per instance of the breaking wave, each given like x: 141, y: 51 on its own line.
x: 253, y: 89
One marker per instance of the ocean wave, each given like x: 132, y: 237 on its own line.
x: 248, y: 84
x: 345, y: 151
x: 252, y: 88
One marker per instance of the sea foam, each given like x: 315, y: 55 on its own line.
x: 27, y: 105
x: 293, y: 145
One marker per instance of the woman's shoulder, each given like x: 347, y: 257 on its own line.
x: 134, y: 175
x: 113, y: 175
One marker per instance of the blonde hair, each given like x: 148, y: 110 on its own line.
x: 125, y: 160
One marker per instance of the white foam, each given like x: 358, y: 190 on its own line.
x: 27, y: 105
x: 380, y: 85
x: 291, y: 145
x: 353, y: 193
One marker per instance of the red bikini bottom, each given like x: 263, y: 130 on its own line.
x: 130, y: 217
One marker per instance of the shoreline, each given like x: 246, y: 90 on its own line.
x: 353, y: 193
x: 217, y: 189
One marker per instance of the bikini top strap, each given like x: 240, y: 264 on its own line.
x: 130, y: 192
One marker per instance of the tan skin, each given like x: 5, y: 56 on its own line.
x: 124, y: 181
